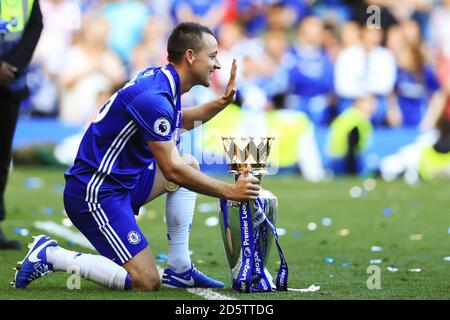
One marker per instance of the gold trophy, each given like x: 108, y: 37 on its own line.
x: 246, y: 153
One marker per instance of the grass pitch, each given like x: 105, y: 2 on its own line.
x: 331, y: 239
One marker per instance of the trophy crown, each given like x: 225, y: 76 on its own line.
x: 247, y: 152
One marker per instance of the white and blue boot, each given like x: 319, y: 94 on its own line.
x: 35, y: 264
x: 191, y: 278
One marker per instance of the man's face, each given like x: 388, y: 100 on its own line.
x: 205, y: 62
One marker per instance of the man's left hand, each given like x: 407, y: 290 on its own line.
x: 230, y: 91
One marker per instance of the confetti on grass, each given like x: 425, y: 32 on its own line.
x: 212, y: 221
x: 326, y: 222
x: 312, y: 226
x: 328, y: 260
x: 34, y: 183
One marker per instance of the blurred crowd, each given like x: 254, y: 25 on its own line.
x: 312, y: 56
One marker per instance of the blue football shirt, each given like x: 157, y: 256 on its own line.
x: 414, y: 93
x: 114, y: 150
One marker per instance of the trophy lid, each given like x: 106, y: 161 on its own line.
x: 247, y: 152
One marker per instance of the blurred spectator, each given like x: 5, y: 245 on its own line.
x: 411, y: 33
x: 44, y: 94
x: 253, y: 95
x: 253, y: 67
x: 295, y: 144
x: 160, y: 9
x: 231, y: 41
x: 349, y: 136
x: 415, y: 85
x: 252, y: 15
x: 90, y: 68
x: 366, y: 68
x: 280, y: 17
x: 439, y: 28
x: 60, y: 154
x: 207, y: 12
x: 148, y: 52
x: 275, y: 68
x: 60, y: 18
x: 441, y: 100
x: 434, y: 161
x: 331, y: 42
x: 428, y: 157
x: 395, y: 40
x: 126, y: 19
x: 350, y: 34
x: 260, y: 15
x: 334, y: 11
x: 310, y: 77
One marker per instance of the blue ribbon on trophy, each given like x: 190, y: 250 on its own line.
x: 248, y: 228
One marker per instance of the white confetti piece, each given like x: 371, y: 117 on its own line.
x: 212, y: 221
x: 326, y: 222
x: 66, y: 222
x: 208, y: 207
x: 392, y: 269
x: 369, y: 184
x: 376, y: 261
x: 312, y: 226
x: 311, y: 288
x: 416, y: 237
x: 281, y: 231
x: 356, y: 192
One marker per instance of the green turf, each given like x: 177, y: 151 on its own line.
x: 421, y: 210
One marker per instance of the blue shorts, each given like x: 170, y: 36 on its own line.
x: 110, y: 223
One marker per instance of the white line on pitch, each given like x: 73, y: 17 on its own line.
x: 63, y: 232
x: 208, y: 294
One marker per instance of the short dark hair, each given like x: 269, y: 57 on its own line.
x: 186, y: 35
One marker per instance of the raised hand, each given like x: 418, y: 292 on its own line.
x: 230, y: 91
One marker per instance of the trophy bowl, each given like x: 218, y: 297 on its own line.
x: 247, y: 152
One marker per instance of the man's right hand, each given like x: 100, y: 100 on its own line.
x: 246, y: 187
x: 7, y: 73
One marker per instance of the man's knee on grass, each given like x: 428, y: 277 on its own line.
x: 145, y: 282
x: 143, y: 271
